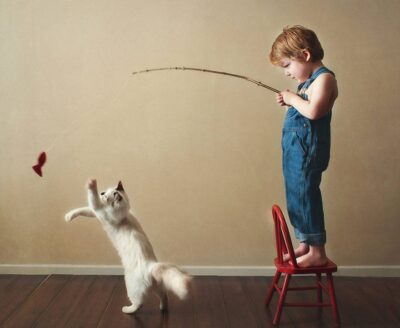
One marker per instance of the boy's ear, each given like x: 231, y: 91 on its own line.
x: 306, y: 54
x: 120, y: 187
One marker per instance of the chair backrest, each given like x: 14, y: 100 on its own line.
x: 282, y: 237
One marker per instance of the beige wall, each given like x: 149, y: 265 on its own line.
x: 199, y: 154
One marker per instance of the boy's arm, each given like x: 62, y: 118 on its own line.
x: 321, y: 102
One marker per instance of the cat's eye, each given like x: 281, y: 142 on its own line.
x: 102, y: 193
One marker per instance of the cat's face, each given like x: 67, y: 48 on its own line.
x: 116, y: 198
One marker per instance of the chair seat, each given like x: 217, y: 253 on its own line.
x: 289, y: 268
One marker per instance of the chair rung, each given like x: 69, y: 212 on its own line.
x: 323, y: 287
x: 307, y: 304
x: 303, y: 288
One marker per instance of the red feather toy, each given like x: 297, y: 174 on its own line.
x: 38, y: 167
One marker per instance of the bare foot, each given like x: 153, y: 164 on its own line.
x: 314, y: 258
x: 302, y: 249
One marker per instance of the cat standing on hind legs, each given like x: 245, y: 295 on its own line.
x: 142, y: 270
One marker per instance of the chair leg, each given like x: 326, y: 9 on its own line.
x: 319, y: 289
x: 332, y: 298
x: 281, y: 300
x: 271, y: 290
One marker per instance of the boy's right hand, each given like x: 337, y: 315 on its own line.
x: 279, y: 99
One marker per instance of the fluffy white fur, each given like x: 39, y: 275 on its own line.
x: 142, y: 270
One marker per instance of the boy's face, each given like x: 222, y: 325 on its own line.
x: 296, y: 69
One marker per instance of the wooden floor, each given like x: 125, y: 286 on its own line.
x: 96, y: 301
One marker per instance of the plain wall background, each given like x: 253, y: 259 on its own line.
x: 199, y: 154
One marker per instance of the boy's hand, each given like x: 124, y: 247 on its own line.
x: 285, y: 98
x: 279, y: 99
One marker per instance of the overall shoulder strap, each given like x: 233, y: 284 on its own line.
x: 304, y: 86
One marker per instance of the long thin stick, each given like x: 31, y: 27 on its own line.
x: 208, y: 71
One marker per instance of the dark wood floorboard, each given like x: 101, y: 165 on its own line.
x: 34, y: 305
x: 392, y: 288
x: 93, y: 304
x: 209, y: 308
x: 65, y: 304
x: 237, y: 306
x: 14, y: 290
x: 362, y: 304
x: 217, y: 302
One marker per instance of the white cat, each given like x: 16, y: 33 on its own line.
x: 142, y: 271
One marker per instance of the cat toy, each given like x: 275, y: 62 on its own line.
x: 40, y: 162
x: 37, y: 168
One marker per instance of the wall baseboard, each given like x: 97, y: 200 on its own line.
x: 46, y: 269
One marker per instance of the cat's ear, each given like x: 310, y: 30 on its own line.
x: 120, y: 187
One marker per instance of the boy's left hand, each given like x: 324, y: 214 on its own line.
x: 286, y: 97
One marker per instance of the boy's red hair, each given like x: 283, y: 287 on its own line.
x: 292, y: 41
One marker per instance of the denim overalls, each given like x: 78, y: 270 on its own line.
x: 305, y: 149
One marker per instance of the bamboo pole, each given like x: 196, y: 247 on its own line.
x: 182, y: 68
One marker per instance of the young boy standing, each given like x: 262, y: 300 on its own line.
x: 305, y: 137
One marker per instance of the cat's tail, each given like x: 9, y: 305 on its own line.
x: 172, y: 278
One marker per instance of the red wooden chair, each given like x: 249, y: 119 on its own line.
x: 289, y: 268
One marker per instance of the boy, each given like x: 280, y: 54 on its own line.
x: 305, y: 137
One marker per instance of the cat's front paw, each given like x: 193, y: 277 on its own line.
x: 92, y: 184
x: 69, y: 216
